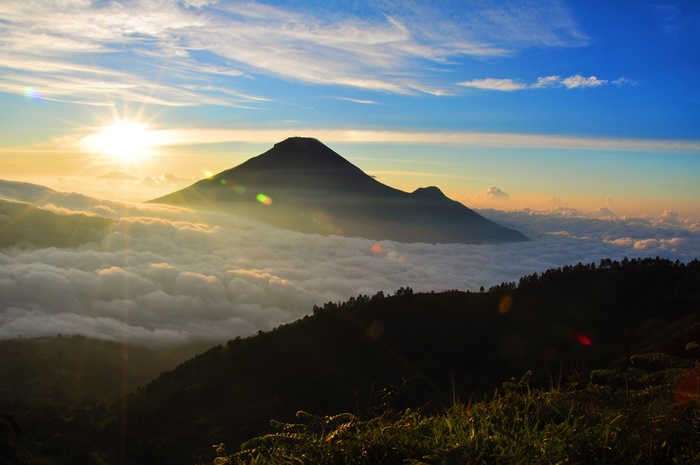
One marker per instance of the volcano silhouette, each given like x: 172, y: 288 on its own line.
x: 302, y: 185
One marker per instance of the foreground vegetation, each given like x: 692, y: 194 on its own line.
x: 657, y: 423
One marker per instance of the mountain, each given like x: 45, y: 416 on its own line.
x: 25, y: 224
x: 302, y: 185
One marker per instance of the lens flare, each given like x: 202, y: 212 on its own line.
x: 505, y: 305
x: 583, y: 339
x: 688, y: 388
x: 375, y: 329
x: 263, y: 199
x: 32, y: 94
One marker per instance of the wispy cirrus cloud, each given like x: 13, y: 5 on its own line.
x: 356, y: 100
x: 117, y: 47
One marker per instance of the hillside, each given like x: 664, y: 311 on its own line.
x: 302, y: 185
x: 415, y: 350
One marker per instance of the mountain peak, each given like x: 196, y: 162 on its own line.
x: 299, y: 153
x: 430, y: 192
x: 297, y: 141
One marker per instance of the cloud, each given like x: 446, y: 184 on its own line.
x: 494, y: 193
x: 505, y: 85
x: 623, y: 81
x: 167, y: 276
x: 547, y: 81
x: 128, y: 187
x: 572, y: 82
x: 670, y: 217
x: 578, y: 81
x: 603, y: 212
x: 50, y: 46
x: 362, y: 101
x: 168, y: 179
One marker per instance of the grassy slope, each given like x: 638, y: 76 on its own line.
x: 597, y: 424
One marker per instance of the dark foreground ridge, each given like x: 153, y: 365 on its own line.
x: 376, y: 354
x: 302, y: 185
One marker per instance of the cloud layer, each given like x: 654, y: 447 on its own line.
x: 165, y: 276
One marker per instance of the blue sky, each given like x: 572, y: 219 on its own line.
x: 545, y: 104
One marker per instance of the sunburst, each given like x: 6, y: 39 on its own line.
x: 125, y: 142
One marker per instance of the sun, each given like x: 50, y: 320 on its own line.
x: 126, y: 142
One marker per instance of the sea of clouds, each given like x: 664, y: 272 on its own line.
x: 166, y: 276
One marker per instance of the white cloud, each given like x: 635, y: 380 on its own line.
x: 572, y: 82
x: 623, y: 81
x: 547, y: 81
x: 355, y: 100
x: 505, y: 85
x: 577, y: 81
x: 493, y: 193
x: 165, y: 275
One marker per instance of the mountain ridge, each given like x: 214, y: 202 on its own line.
x: 303, y: 185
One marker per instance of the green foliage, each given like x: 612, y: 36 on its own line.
x: 519, y: 424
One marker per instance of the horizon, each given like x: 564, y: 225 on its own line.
x: 548, y: 106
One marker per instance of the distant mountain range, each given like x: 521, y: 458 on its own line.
x: 302, y: 185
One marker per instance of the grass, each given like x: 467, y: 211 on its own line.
x: 517, y: 425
